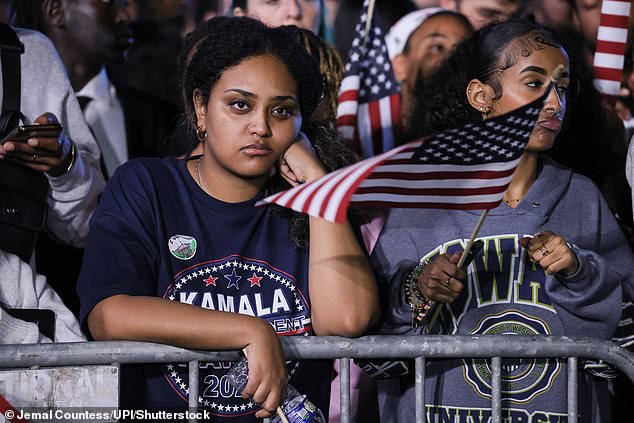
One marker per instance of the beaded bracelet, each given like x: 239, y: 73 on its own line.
x: 417, y: 302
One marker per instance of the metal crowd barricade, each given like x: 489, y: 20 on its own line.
x: 419, y: 348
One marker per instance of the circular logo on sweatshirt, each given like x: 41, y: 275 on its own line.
x: 523, y: 378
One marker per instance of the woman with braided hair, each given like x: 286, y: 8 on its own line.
x: 554, y: 260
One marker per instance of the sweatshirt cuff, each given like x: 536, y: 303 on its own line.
x: 16, y: 331
x: 581, y: 274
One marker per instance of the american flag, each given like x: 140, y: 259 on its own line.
x: 611, y: 43
x: 465, y: 168
x: 369, y: 103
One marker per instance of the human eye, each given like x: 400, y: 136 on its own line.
x: 437, y: 48
x: 283, y: 112
x: 535, y: 83
x: 238, y: 105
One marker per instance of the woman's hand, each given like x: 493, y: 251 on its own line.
x: 44, y: 154
x: 300, y: 163
x: 551, y: 252
x: 267, y: 371
x: 442, y: 280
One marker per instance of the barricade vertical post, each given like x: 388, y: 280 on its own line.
x: 496, y: 390
x: 344, y: 388
x: 572, y: 390
x: 421, y: 407
x: 193, y: 390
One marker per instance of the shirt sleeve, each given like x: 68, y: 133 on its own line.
x: 29, y: 290
x: 589, y: 302
x: 121, y: 255
x: 46, y: 88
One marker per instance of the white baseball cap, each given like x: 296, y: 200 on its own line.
x: 399, y: 33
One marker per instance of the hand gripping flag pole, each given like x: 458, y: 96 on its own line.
x: 466, y: 168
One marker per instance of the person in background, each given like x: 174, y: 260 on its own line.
x: 554, y: 259
x: 552, y: 13
x: 126, y: 123
x: 586, y: 17
x: 70, y: 160
x: 307, y: 14
x: 418, y: 43
x: 181, y: 239
x: 89, y: 37
x: 151, y: 61
x: 386, y: 12
x: 483, y: 12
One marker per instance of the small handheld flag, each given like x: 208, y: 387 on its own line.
x: 369, y: 113
x: 464, y: 168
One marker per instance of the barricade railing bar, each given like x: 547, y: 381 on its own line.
x: 420, y: 348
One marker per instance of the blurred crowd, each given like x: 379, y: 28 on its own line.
x: 126, y: 79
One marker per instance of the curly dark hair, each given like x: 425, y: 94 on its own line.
x: 230, y: 41
x: 441, y: 101
x: 223, y: 42
x: 330, y: 66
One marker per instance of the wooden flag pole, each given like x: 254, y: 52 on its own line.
x: 368, y: 21
x: 438, y: 306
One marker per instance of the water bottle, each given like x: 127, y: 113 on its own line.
x: 296, y: 407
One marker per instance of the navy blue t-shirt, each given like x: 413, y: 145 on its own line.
x: 157, y: 233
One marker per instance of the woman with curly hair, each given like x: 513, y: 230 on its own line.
x: 179, y: 254
x: 554, y: 260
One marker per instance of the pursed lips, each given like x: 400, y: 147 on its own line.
x: 552, y: 123
x: 256, y: 149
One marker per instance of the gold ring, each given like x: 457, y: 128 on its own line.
x: 544, y: 250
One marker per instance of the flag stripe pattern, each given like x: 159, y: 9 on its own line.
x: 368, y: 113
x: 611, y: 43
x: 466, y: 168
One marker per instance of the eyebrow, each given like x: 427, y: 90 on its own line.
x: 435, y: 35
x: 250, y: 94
x: 539, y: 70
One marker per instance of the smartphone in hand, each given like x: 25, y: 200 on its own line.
x: 23, y: 132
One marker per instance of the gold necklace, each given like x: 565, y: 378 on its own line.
x: 201, y: 182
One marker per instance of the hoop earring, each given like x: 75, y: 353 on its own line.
x: 201, y: 134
